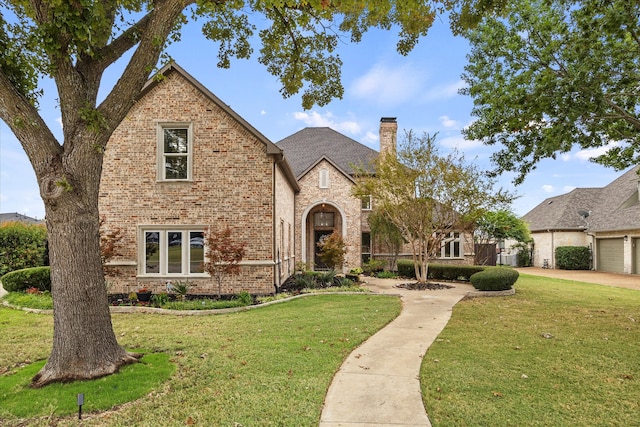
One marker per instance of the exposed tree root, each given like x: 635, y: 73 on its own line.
x: 48, y: 375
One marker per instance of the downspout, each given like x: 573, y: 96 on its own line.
x: 276, y: 277
x: 553, y: 250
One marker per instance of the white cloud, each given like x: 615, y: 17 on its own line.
x: 565, y: 157
x: 316, y: 119
x: 460, y: 143
x: 448, y: 122
x: 568, y: 188
x: 370, y: 138
x: 547, y: 188
x: 590, y: 153
x: 446, y: 91
x: 389, y: 86
x: 263, y: 113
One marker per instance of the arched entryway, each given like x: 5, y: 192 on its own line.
x: 318, y: 221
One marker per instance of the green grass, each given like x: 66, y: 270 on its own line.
x: 266, y: 367
x: 496, y: 364
x: 41, y: 301
x: 18, y: 400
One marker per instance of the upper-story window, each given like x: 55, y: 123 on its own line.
x: 366, y: 203
x: 324, y: 178
x: 175, y: 152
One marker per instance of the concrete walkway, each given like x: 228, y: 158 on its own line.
x: 378, y: 384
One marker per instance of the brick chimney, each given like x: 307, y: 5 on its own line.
x: 388, y: 134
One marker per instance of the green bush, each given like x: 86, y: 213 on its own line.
x: 373, y: 266
x: 573, y: 258
x: 405, y: 268
x: 440, y: 271
x: 21, y: 280
x: 494, y: 279
x: 22, y: 246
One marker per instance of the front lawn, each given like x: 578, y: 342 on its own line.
x: 558, y: 353
x: 266, y: 367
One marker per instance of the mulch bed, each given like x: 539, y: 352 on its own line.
x: 429, y: 286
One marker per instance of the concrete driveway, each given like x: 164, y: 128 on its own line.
x: 631, y: 281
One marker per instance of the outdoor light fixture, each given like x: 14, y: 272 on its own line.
x: 80, y: 403
x: 626, y: 238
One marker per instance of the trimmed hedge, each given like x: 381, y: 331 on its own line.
x: 495, y: 279
x: 573, y: 258
x: 440, y: 271
x: 21, y: 280
x: 22, y: 246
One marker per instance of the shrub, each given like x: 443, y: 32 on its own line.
x: 494, y: 279
x: 324, y: 280
x: 344, y: 282
x: 245, y: 298
x: 440, y: 271
x: 386, y: 275
x: 573, y: 258
x: 373, y: 266
x: 22, y: 246
x: 405, y: 268
x: 21, y: 280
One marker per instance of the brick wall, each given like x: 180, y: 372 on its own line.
x: 233, y: 181
x: 337, y: 198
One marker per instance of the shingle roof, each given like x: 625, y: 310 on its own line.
x: 304, y: 148
x: 613, y: 207
x: 14, y: 216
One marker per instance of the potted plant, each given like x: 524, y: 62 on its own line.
x: 144, y: 294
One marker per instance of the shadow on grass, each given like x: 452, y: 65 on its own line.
x: 17, y: 399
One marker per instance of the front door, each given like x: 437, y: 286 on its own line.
x: 318, y: 236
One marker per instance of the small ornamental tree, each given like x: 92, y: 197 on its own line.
x: 223, y: 255
x: 332, y: 250
x: 110, y: 244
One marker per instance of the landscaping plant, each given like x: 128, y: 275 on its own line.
x: 223, y: 255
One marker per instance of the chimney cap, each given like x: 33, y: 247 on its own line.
x: 388, y: 119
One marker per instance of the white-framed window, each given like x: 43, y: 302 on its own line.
x: 366, y: 203
x: 171, y: 251
x: 324, y: 178
x: 452, y: 246
x: 175, y: 151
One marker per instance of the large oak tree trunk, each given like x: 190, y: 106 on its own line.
x: 84, y: 343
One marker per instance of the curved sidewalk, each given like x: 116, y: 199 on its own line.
x: 379, y: 382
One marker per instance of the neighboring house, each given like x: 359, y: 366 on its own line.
x: 16, y: 217
x: 182, y: 161
x: 607, y: 220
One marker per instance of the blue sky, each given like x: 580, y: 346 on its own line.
x: 421, y: 90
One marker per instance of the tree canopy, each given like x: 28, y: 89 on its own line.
x: 551, y: 75
x: 501, y: 225
x: 73, y: 43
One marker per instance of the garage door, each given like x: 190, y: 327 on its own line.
x: 636, y: 256
x: 611, y: 255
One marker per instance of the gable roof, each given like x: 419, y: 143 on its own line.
x: 613, y: 207
x: 305, y: 148
x: 271, y: 148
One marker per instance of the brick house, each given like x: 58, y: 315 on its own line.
x: 181, y: 161
x: 171, y: 169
